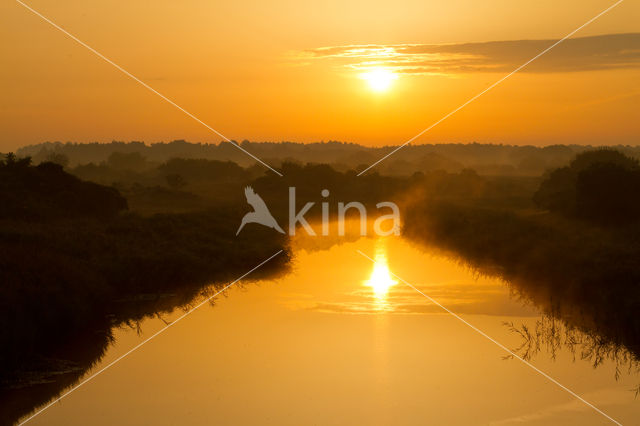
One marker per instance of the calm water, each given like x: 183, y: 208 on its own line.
x: 341, y: 341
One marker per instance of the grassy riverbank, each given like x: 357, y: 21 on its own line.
x: 76, y: 260
x: 582, y: 273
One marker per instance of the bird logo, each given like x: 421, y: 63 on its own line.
x: 260, y: 213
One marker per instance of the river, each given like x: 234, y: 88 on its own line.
x: 342, y: 340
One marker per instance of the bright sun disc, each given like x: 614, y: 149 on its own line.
x: 379, y: 79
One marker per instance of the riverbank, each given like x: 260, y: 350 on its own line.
x: 73, y: 260
x: 586, y: 275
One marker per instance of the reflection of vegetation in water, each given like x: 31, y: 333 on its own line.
x: 48, y: 376
x: 63, y: 367
x: 594, y: 270
x: 74, y: 263
x: 552, y: 335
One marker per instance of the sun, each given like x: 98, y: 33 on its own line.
x: 379, y: 79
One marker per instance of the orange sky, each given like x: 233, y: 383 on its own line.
x: 255, y: 70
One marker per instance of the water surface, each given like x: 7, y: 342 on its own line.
x: 342, y: 341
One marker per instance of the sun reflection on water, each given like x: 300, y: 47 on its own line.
x: 381, y: 279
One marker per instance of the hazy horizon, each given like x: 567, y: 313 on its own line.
x: 312, y: 142
x: 288, y: 72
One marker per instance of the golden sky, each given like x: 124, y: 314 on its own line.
x: 290, y: 70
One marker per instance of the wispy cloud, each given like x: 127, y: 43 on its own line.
x: 603, y: 52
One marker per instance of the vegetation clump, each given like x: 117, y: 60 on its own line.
x: 71, y: 254
x: 600, y: 186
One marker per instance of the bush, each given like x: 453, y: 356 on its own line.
x: 602, y: 186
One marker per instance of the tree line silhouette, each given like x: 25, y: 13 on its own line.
x: 74, y: 259
x: 486, y: 159
x: 89, y: 246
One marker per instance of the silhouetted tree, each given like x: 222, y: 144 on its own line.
x: 602, y: 186
x: 48, y: 192
x: 608, y: 193
x: 175, y: 180
x: 58, y: 158
x: 133, y: 161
